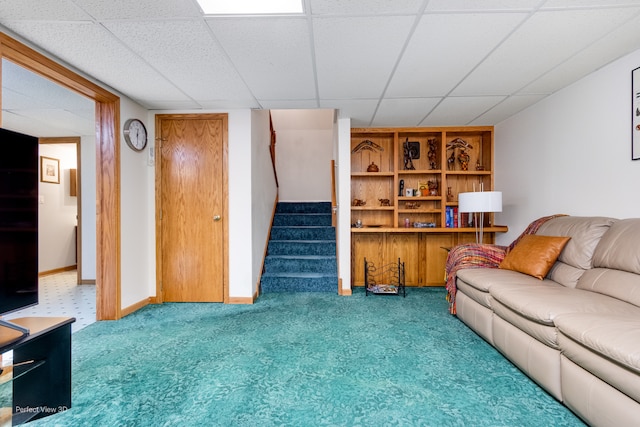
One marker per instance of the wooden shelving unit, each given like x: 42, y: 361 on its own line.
x: 381, y: 173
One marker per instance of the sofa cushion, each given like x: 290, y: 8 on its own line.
x: 534, y: 255
x: 606, y: 346
x: 577, y: 255
x: 483, y: 278
x: 618, y: 284
x: 619, y: 247
x: 542, y: 304
x: 614, y: 336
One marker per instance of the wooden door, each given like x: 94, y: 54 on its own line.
x: 193, y: 187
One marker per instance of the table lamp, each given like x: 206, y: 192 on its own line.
x: 479, y: 202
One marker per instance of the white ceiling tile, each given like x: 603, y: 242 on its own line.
x: 505, y: 109
x: 48, y: 10
x: 481, y: 5
x: 355, y: 56
x: 441, y: 52
x: 34, y: 127
x: 184, y: 52
x: 172, y: 105
x: 283, y: 104
x: 360, y: 111
x: 141, y: 9
x: 460, y: 111
x: 63, y: 121
x: 560, y: 4
x: 616, y: 44
x: 537, y: 46
x: 403, y: 112
x: 23, y: 89
x: 364, y: 7
x: 92, y: 50
x: 233, y: 104
x: 271, y: 55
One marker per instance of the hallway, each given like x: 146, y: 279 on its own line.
x: 61, y: 296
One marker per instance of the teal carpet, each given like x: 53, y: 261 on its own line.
x: 306, y: 359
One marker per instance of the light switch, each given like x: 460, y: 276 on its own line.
x: 41, y: 200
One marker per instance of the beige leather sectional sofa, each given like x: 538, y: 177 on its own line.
x: 577, y: 332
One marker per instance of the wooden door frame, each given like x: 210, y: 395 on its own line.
x: 225, y: 197
x: 108, y: 267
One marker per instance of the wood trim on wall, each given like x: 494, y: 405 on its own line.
x: 107, y: 164
x: 266, y: 246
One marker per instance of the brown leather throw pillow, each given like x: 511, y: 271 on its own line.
x: 535, y: 255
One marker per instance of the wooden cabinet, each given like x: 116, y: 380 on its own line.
x: 407, y: 177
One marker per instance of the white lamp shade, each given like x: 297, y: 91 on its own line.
x: 480, y: 201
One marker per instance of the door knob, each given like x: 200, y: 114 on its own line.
x: 216, y: 217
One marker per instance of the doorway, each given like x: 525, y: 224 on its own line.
x: 192, y: 200
x: 107, y: 117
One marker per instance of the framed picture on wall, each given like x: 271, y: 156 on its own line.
x: 49, y: 170
x: 635, y: 114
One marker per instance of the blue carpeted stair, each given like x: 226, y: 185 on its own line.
x: 301, y: 256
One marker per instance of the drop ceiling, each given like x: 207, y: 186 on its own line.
x: 380, y: 62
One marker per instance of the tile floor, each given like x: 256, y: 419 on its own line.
x: 60, y: 295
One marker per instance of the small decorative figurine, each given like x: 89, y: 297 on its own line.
x: 479, y: 167
x: 432, y: 154
x: 433, y: 187
x: 463, y: 158
x: 451, y: 160
x: 411, y: 151
x: 384, y: 202
x: 411, y: 205
x: 372, y: 168
x: 449, y: 195
x: 358, y: 202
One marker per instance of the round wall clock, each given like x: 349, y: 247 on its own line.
x: 135, y: 134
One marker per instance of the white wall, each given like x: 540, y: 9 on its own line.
x: 57, y: 212
x: 137, y: 223
x: 304, y: 150
x: 570, y: 153
x: 263, y: 191
x: 343, y: 176
x: 88, y: 207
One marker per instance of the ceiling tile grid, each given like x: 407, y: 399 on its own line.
x: 544, y: 41
x: 355, y: 56
x: 41, y: 10
x: 271, y: 55
x: 403, y: 112
x: 94, y: 51
x: 444, y: 48
x: 380, y: 62
x: 185, y: 53
x: 456, y: 111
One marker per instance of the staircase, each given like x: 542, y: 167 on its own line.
x: 301, y: 255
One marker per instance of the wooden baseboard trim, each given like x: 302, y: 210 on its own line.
x: 266, y: 246
x: 57, y: 270
x: 87, y: 282
x: 241, y: 300
x: 134, y: 307
x: 343, y: 292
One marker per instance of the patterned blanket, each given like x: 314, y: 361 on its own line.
x: 480, y: 255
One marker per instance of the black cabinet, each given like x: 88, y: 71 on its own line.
x: 41, y: 366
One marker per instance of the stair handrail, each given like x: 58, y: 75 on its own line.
x: 334, y: 199
x: 272, y: 149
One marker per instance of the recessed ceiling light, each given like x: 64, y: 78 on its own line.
x: 250, y: 7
